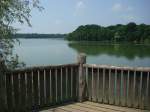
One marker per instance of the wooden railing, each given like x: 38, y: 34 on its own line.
x: 123, y: 86
x: 37, y: 87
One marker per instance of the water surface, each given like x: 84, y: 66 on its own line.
x: 58, y: 51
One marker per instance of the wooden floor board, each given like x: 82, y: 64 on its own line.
x: 92, y: 107
x: 96, y: 108
x: 112, y: 107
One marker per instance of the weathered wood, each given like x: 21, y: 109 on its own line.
x: 9, y: 91
x: 148, y: 92
x: 53, y: 89
x: 29, y: 91
x: 35, y: 68
x: 92, y: 90
x: 56, y: 85
x: 36, y: 90
x: 23, y: 91
x: 144, y: 69
x: 87, y: 82
x: 3, y: 99
x: 66, y: 83
x: 112, y: 86
x: 75, y: 84
x: 134, y: 84
x: 26, y: 97
x: 16, y: 91
x: 94, y: 108
x: 50, y: 73
x: 45, y: 87
x: 41, y: 87
x: 106, y: 96
x: 97, y: 95
x: 115, y: 88
x: 61, y: 79
x: 89, y: 87
x: 111, y: 107
x: 71, y: 82
x: 140, y: 92
x: 50, y: 85
x: 109, y: 86
x: 91, y: 107
x: 118, y: 100
x: 103, y: 85
x: 128, y: 82
x: 100, y: 86
x: 131, y: 89
x: 47, y: 79
x: 122, y: 96
x: 81, y: 59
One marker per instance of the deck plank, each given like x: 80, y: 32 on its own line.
x: 92, y: 107
x: 96, y: 108
x: 116, y: 108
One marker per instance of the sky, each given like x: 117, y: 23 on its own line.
x: 64, y: 16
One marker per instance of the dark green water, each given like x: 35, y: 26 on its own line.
x: 57, y: 51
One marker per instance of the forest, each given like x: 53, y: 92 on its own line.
x: 38, y: 36
x: 130, y: 32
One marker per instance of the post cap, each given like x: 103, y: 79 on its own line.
x: 81, y: 58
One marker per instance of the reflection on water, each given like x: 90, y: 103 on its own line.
x: 119, y: 50
x: 36, y: 52
x: 114, y: 54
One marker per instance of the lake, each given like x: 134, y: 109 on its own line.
x: 36, y: 52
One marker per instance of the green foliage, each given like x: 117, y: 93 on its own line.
x: 39, y: 36
x: 13, y: 11
x: 117, y: 33
x: 127, y: 50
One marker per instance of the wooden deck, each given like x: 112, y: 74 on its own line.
x: 92, y: 107
x: 42, y: 87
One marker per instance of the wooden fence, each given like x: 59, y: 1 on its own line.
x: 37, y: 87
x: 122, y: 86
x: 34, y: 88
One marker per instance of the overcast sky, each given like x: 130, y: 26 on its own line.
x: 64, y: 16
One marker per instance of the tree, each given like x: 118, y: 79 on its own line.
x: 13, y: 11
x: 117, y: 33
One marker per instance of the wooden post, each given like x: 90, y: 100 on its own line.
x: 81, y: 59
x: 2, y: 86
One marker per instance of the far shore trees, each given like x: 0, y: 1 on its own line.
x: 116, y: 33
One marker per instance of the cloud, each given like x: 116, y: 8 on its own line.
x: 118, y: 7
x: 80, y: 8
x: 129, y: 8
x: 129, y: 17
x: 58, y: 22
x: 124, y: 12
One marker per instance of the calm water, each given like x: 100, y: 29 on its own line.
x: 57, y: 51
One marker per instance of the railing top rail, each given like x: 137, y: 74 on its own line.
x: 145, y: 69
x: 43, y: 67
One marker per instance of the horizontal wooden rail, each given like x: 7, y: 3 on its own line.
x: 42, y: 67
x: 146, y: 69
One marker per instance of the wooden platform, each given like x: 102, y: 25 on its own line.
x: 92, y: 107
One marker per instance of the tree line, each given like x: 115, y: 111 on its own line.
x: 130, y: 32
x: 38, y: 36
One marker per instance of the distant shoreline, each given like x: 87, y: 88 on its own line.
x: 131, y: 32
x: 109, y: 43
x: 38, y: 36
